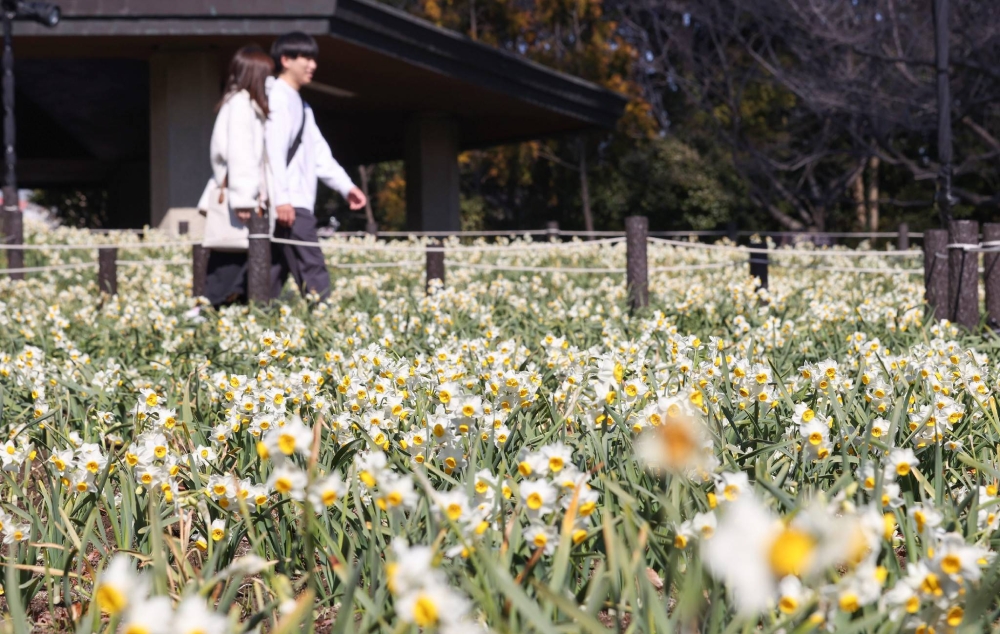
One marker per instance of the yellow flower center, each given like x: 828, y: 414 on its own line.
x: 788, y: 604
x: 791, y: 552
x: 425, y: 612
x: 849, y: 602
x: 286, y: 444
x: 534, y: 501
x: 283, y: 485
x: 110, y: 599
x: 951, y: 564
x: 955, y: 616
x: 931, y: 585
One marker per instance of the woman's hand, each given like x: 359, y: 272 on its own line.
x: 244, y: 215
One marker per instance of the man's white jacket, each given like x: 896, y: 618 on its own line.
x: 295, y: 184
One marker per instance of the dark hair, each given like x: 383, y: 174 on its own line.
x: 293, y: 45
x: 249, y: 71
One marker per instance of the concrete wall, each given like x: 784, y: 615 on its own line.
x: 184, y: 88
x: 432, y: 178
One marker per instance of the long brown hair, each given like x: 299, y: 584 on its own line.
x: 249, y: 71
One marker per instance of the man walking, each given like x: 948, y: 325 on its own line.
x: 298, y: 156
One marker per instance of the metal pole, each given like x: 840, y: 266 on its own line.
x: 991, y: 273
x: 13, y: 222
x: 903, y: 237
x: 941, y: 41
x: 552, y: 229
x: 936, y: 273
x: 637, y: 264
x: 259, y: 259
x: 199, y: 269
x: 733, y: 231
x: 107, y: 271
x: 963, y: 274
x: 435, y: 264
x: 759, y: 262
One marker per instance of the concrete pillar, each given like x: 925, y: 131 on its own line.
x: 184, y: 87
x: 431, y: 147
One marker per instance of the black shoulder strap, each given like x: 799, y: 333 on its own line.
x: 298, y: 137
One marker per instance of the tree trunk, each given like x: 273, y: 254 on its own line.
x: 858, y: 194
x: 873, y: 164
x: 473, y: 29
x: 588, y: 219
x: 363, y: 172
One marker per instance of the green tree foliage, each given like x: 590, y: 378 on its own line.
x: 635, y: 168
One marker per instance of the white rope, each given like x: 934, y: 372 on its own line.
x: 375, y: 265
x: 839, y: 269
x: 258, y: 236
x: 534, y: 269
x: 692, y: 267
x: 464, y: 234
x: 51, y: 267
x: 84, y: 247
x: 804, y: 252
x: 592, y: 233
x: 547, y: 246
x: 153, y: 262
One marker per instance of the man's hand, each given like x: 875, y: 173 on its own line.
x: 356, y: 199
x: 243, y: 215
x: 286, y: 215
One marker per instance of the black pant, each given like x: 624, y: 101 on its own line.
x: 306, y: 264
x: 226, y: 280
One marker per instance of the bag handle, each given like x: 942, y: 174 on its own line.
x: 298, y: 137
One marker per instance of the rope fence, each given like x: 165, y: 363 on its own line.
x: 91, y: 247
x: 951, y: 258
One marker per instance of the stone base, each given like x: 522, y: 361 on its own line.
x: 173, y: 219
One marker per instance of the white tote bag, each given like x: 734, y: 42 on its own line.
x: 223, y: 230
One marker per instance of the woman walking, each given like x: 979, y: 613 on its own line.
x: 240, y: 171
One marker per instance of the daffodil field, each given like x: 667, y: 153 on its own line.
x: 511, y: 452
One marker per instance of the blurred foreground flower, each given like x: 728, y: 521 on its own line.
x: 676, y: 441
x: 753, y: 550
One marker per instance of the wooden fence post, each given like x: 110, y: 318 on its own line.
x: 435, y: 263
x: 733, y: 231
x: 552, y: 229
x: 259, y: 259
x: 13, y: 229
x: 637, y: 265
x: 759, y: 262
x: 107, y: 270
x: 991, y: 272
x: 903, y: 237
x: 199, y: 269
x: 936, y: 272
x: 963, y: 274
